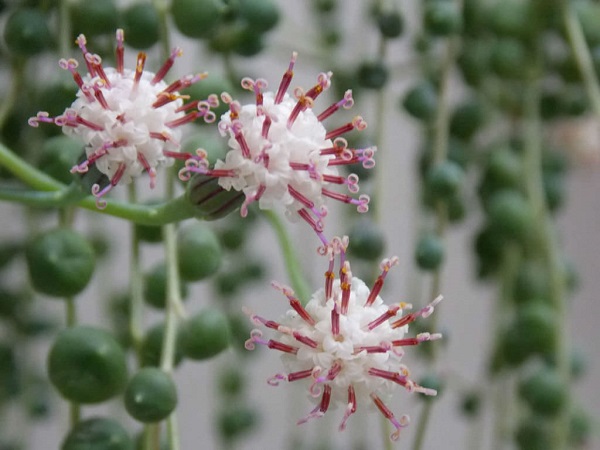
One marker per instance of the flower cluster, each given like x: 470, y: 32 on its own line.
x: 128, y: 119
x: 346, y: 341
x: 281, y: 153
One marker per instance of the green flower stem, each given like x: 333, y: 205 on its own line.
x: 173, y: 308
x: 549, y: 244
x: 503, y: 395
x: 136, y: 291
x: 380, y: 116
x: 26, y: 172
x: 440, y: 150
x: 582, y: 55
x: 64, y: 21
x: 292, y: 264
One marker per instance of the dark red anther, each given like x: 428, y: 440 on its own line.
x: 100, y: 97
x: 325, y: 399
x: 166, y: 66
x: 297, y: 306
x: 300, y: 375
x: 337, y: 196
x: 329, y: 277
x: 339, y: 131
x: 391, y: 312
x: 286, y: 80
x: 266, y: 126
x: 375, y: 291
x: 120, y: 51
x: 335, y: 323
x: 301, y: 198
x: 189, y: 117
x: 405, y: 342
x: 305, y: 340
x: 282, y: 347
x: 139, y: 68
x: 404, y: 320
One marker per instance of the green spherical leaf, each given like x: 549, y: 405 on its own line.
x: 231, y: 382
x: 430, y: 252
x: 390, y: 24
x: 151, y: 395
x: 532, y: 332
x: 97, y: 433
x: 60, y: 262
x: 206, y: 334
x: 94, y: 18
x: 444, y: 180
x: 59, y: 154
x: 26, y: 32
x: 210, y: 200
x: 152, y: 346
x: 533, y: 434
x: 155, y: 287
x: 372, y: 74
x: 197, y: 18
x: 467, y: 119
x: 509, y: 59
x: 198, y: 252
x: 421, y: 101
x: 504, y: 168
x: 366, y: 240
x: 87, y: 365
x: 532, y: 282
x: 235, y: 422
x: 511, y: 18
x: 545, y: 392
x: 442, y: 18
x: 141, y: 24
x: 511, y: 214
x: 259, y: 15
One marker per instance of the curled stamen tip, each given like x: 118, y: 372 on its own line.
x: 275, y: 379
x: 226, y: 97
x: 81, y: 40
x: 348, y: 99
x: 247, y: 83
x: 249, y: 344
x: 359, y: 123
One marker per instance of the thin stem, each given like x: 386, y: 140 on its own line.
x: 135, y: 287
x: 64, y: 37
x: 582, y: 54
x: 173, y: 307
x: 292, y: 265
x: 535, y: 191
x: 380, y: 115
x: 503, y: 393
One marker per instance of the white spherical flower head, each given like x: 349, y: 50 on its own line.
x: 128, y: 119
x: 280, y: 152
x: 346, y: 341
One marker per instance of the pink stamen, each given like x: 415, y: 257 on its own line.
x: 151, y: 170
x: 398, y: 424
x: 295, y: 303
x: 139, y: 69
x: 175, y: 53
x: 350, y: 408
x: 250, y: 199
x: 81, y: 41
x: 320, y: 409
x: 286, y: 80
x: 357, y: 123
x: 385, y: 267
x: 189, y: 117
x: 96, y: 63
x: 316, y: 225
x: 120, y: 51
x: 335, y: 322
x: 391, y: 312
x: 423, y: 312
x: 305, y: 339
x: 346, y: 103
